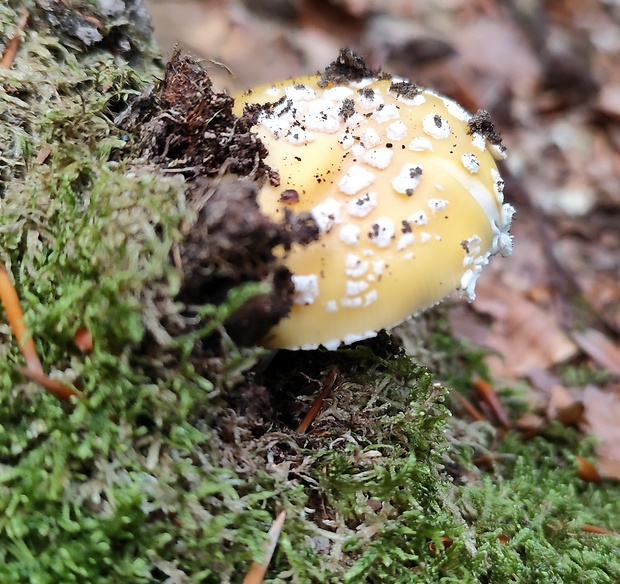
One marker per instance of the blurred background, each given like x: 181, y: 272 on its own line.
x: 549, y: 73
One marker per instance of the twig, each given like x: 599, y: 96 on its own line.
x: 488, y: 394
x: 470, y: 408
x: 257, y: 570
x: 15, y: 315
x: 318, y: 403
x: 597, y: 530
x: 54, y: 386
x: 13, y: 44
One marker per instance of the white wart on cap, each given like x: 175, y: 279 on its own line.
x: 406, y: 194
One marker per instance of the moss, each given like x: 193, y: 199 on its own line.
x: 583, y: 374
x: 159, y: 472
x: 529, y: 513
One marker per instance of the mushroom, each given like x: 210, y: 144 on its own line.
x: 403, y: 185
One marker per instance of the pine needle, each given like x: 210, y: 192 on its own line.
x: 257, y: 570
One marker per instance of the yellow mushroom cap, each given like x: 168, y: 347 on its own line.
x: 406, y: 194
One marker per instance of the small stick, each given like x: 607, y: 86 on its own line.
x: 256, y: 573
x: 598, y: 530
x: 488, y: 394
x: 470, y: 408
x: 54, y: 386
x: 13, y: 44
x: 15, y: 315
x: 318, y: 403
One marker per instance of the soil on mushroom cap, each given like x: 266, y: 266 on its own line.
x: 482, y: 123
x: 348, y: 67
x: 184, y: 127
x: 232, y: 243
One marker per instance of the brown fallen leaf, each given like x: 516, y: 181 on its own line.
x: 564, y: 407
x: 530, y: 425
x: 602, y: 419
x: 608, y: 469
x: 586, y: 471
x: 528, y: 337
x: 43, y: 154
x: 83, y: 340
x: 609, y: 100
x: 602, y: 291
x: 600, y: 349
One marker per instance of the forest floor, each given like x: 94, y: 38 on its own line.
x: 478, y: 443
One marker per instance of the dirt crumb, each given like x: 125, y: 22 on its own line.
x: 482, y: 123
x: 405, y: 89
x: 186, y: 127
x: 348, y: 67
x: 347, y: 109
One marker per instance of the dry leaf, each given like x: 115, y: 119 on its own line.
x: 488, y: 395
x: 530, y: 425
x: 609, y: 469
x: 602, y: 419
x: 564, y: 407
x: 43, y: 154
x: 586, y: 471
x: 527, y: 336
x: 600, y: 349
x: 83, y: 340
